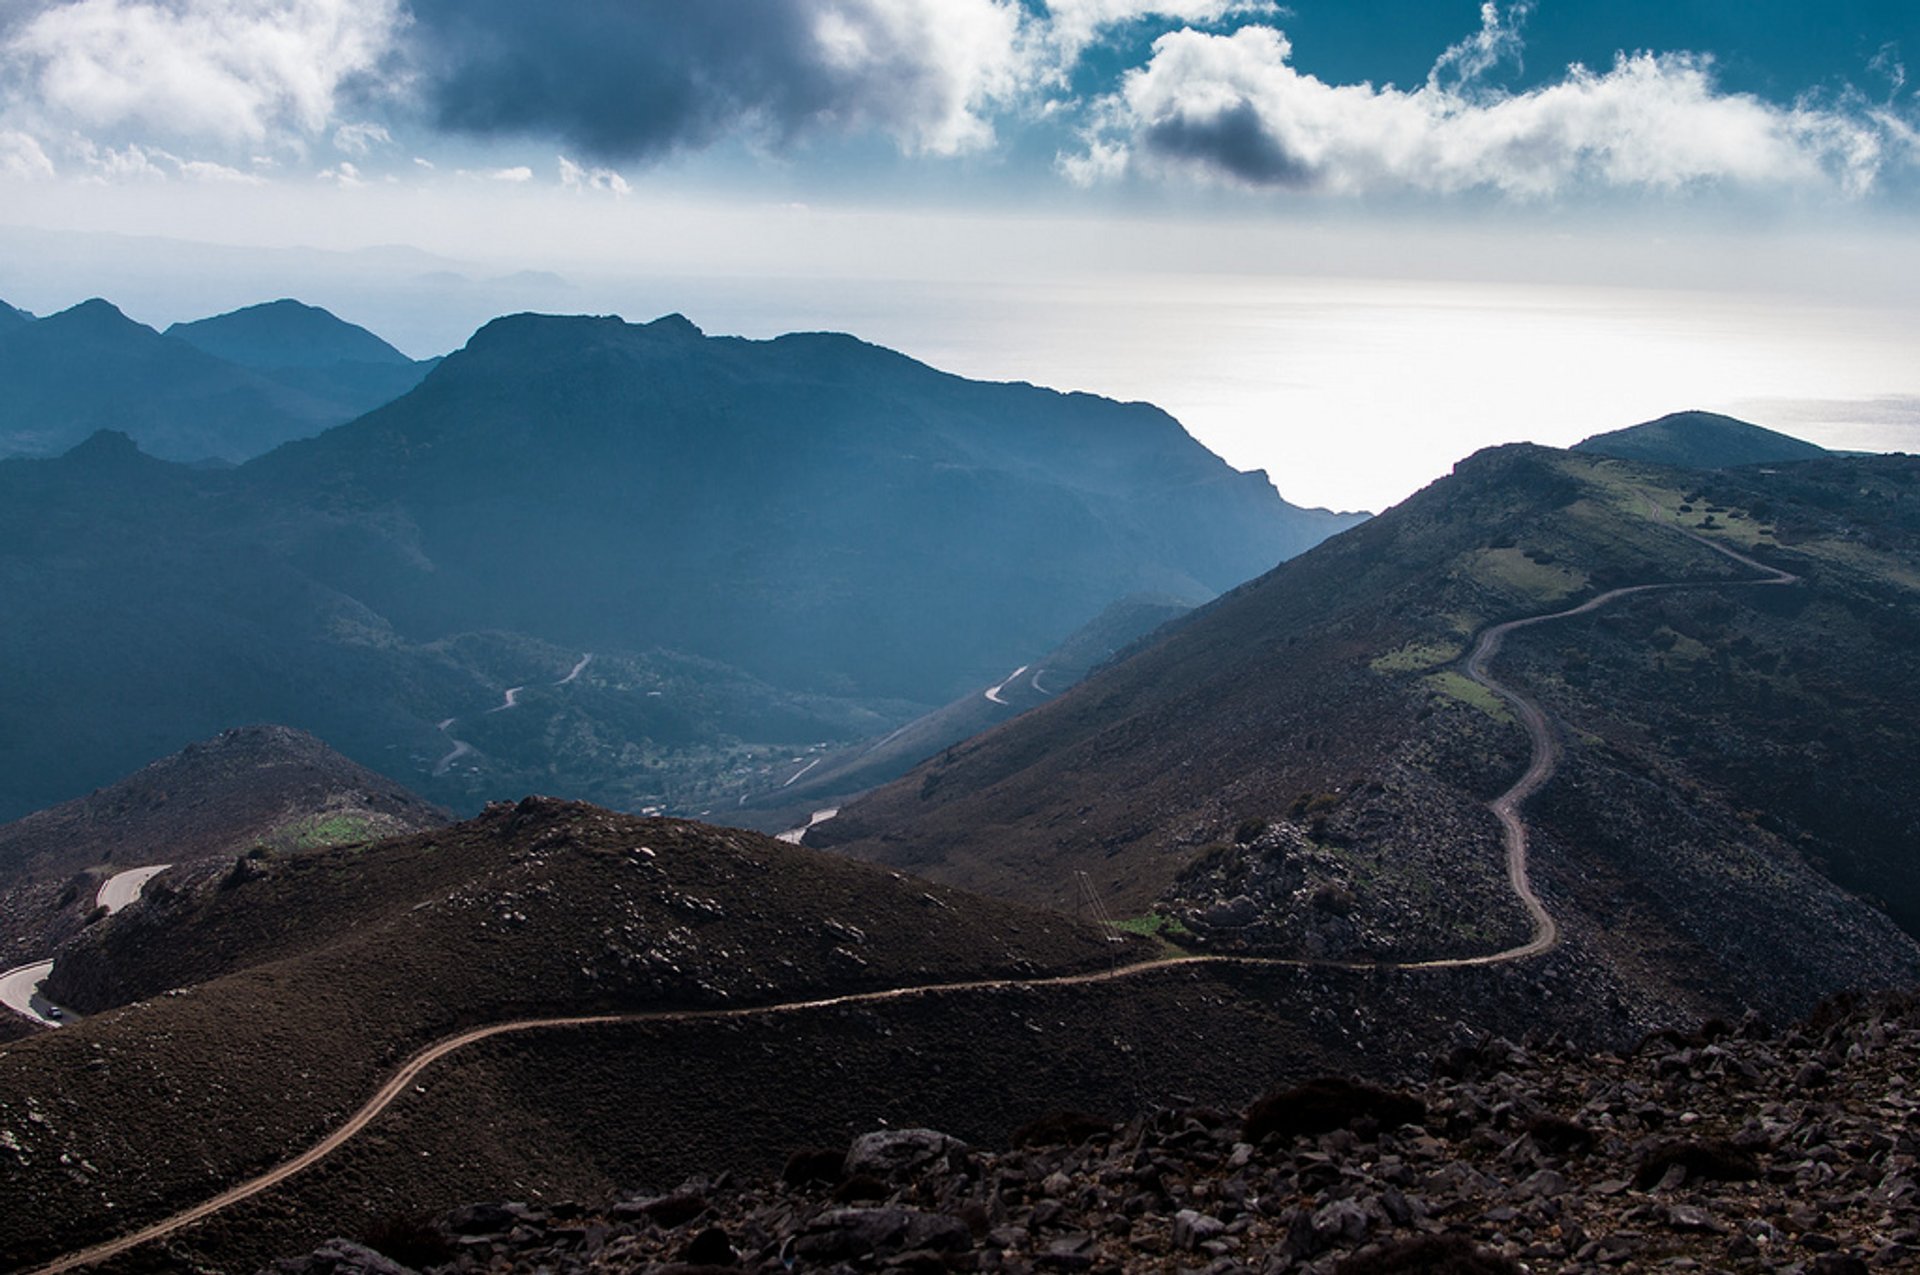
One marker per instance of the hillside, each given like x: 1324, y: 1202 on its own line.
x: 465, y: 590
x: 1700, y: 440
x: 339, y: 962
x: 10, y: 317
x: 1301, y: 766
x: 262, y: 785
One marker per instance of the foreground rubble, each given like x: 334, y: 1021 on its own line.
x: 1734, y: 1149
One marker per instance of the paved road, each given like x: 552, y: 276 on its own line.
x: 795, y: 836
x: 123, y: 888
x: 460, y: 749
x: 578, y: 669
x: 993, y: 693
x: 1545, y: 753
x: 20, y: 992
x: 20, y: 986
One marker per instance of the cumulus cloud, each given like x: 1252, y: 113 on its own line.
x: 229, y: 71
x: 1233, y: 107
x: 638, y: 79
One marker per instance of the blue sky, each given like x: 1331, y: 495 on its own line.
x: 884, y: 165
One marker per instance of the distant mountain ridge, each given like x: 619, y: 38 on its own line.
x: 178, y: 394
x: 1700, y: 440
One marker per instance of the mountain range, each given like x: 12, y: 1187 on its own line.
x: 630, y: 562
x: 222, y: 389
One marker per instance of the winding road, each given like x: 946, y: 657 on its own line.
x: 993, y: 692
x: 1505, y: 807
x: 20, y: 986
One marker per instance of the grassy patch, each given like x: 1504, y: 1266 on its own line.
x: 321, y: 831
x: 1512, y: 571
x: 1161, y: 928
x: 1467, y: 691
x: 1416, y: 657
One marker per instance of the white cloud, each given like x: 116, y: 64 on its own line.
x: 1498, y: 40
x: 206, y: 171
x: 924, y: 71
x: 1235, y: 109
x: 22, y: 158
x: 344, y: 175
x: 231, y: 72
x: 579, y: 177
x: 126, y: 163
x: 360, y: 139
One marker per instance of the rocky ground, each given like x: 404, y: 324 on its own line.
x: 1733, y: 1149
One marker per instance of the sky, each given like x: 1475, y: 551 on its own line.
x: 1345, y: 242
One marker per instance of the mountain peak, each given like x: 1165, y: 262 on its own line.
x: 95, y: 316
x: 105, y: 446
x: 1700, y: 440
x: 286, y: 334
x: 675, y: 324
x: 13, y: 317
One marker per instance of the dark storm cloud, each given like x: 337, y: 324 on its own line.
x: 634, y: 79
x: 1236, y: 141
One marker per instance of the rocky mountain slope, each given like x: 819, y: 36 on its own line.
x: 1730, y: 1149
x: 1700, y: 440
x: 1300, y: 766
x: 180, y: 394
